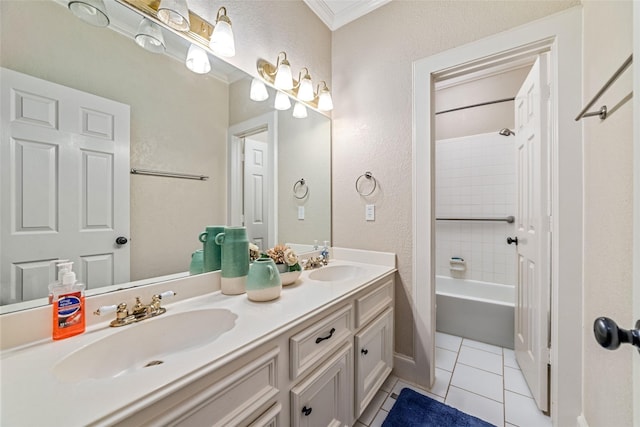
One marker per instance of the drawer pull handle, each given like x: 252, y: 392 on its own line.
x: 364, y: 351
x: 319, y: 340
x: 306, y: 411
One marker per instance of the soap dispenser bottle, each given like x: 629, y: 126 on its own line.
x: 67, y: 301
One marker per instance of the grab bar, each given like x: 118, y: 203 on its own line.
x: 602, y: 112
x: 510, y: 219
x: 169, y: 174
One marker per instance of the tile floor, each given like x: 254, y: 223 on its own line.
x: 477, y: 378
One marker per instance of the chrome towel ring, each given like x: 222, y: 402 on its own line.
x: 368, y: 175
x: 301, y: 183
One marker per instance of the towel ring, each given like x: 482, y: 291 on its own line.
x: 299, y: 184
x: 367, y: 175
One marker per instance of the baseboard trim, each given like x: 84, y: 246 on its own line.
x: 581, y: 421
x: 405, y: 367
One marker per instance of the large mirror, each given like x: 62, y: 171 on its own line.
x: 179, y: 122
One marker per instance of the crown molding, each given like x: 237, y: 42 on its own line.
x: 335, y: 18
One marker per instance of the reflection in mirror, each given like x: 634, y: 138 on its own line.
x: 179, y: 122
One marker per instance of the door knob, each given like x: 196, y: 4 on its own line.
x: 610, y: 336
x: 512, y: 240
x: 121, y: 240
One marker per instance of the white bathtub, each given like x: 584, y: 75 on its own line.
x: 477, y: 310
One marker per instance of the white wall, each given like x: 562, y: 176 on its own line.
x: 264, y: 28
x: 372, y: 117
x: 608, y: 203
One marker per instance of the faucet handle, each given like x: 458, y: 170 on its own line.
x: 105, y: 309
x: 166, y: 294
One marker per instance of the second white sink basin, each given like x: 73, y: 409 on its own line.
x: 144, y: 344
x: 336, y: 273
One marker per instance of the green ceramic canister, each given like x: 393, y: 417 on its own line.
x: 263, y: 281
x: 235, y: 259
x: 197, y: 262
x: 212, y: 251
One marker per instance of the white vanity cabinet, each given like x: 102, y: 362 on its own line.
x: 243, y: 393
x: 373, y: 342
x: 324, y: 397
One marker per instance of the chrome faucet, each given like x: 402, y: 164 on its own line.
x: 138, y: 313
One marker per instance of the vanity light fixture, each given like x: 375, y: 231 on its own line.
x: 325, y: 103
x: 305, y: 86
x: 222, y: 41
x: 282, y: 101
x: 149, y: 36
x: 258, y: 91
x: 197, y: 60
x: 174, y: 13
x: 299, y: 110
x: 90, y: 11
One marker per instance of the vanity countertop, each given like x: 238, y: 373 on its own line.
x: 33, y: 395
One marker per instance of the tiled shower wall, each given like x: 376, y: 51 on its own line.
x: 475, y: 177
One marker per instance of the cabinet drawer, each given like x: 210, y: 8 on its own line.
x: 373, y: 303
x: 310, y: 346
x: 235, y: 399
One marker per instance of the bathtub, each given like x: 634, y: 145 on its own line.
x: 476, y: 310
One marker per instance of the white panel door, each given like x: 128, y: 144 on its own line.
x: 256, y: 185
x: 64, y: 168
x: 532, y: 229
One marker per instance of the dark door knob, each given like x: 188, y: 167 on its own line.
x: 610, y: 336
x: 121, y: 240
x: 512, y: 240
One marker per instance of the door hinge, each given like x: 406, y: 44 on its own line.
x: 548, y: 356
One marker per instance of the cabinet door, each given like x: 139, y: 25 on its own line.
x: 326, y: 396
x: 374, y: 358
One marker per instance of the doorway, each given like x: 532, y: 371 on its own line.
x: 559, y: 33
x: 491, y: 194
x: 252, y: 180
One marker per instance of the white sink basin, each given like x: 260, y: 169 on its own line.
x: 336, y: 273
x: 144, y: 344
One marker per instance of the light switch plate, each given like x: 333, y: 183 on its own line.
x: 300, y: 212
x: 370, y: 213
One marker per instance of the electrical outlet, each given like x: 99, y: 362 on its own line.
x: 370, y: 213
x: 300, y: 212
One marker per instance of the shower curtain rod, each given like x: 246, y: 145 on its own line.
x: 476, y: 105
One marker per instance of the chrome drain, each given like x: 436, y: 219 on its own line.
x: 153, y: 363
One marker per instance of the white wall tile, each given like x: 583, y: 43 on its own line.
x: 475, y: 176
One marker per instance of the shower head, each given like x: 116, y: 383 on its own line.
x: 506, y: 132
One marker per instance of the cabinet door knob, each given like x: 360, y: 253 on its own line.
x: 364, y: 351
x: 512, y: 240
x: 306, y: 411
x: 320, y: 339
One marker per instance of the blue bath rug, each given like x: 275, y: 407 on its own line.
x: 413, y: 409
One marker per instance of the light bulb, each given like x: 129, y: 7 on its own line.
x: 197, y: 60
x: 149, y: 36
x: 258, y: 91
x: 90, y: 11
x: 299, y: 111
x: 222, y: 42
x: 284, y: 79
x: 305, y: 91
x: 282, y: 101
x: 325, y: 103
x: 174, y: 13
